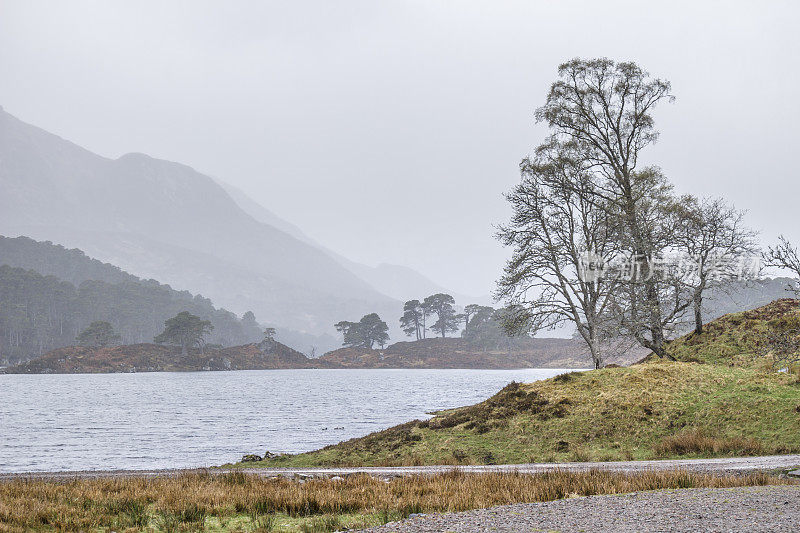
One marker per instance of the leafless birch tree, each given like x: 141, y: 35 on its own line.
x: 604, y: 110
x: 717, y: 245
x: 784, y: 256
x: 561, y: 239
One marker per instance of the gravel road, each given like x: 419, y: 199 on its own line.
x: 720, y: 465
x: 747, y: 509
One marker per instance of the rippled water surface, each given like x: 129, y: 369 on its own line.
x: 174, y: 420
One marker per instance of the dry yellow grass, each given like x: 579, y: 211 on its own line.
x: 242, y: 502
x: 696, y: 442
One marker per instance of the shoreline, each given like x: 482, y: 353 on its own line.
x: 213, y: 371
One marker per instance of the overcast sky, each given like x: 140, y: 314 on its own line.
x: 389, y: 131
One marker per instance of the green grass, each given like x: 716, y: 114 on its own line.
x: 600, y: 415
x: 739, y: 339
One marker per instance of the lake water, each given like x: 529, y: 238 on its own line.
x: 176, y: 420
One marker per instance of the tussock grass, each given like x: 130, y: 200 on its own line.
x: 250, y: 503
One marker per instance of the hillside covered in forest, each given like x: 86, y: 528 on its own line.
x: 49, y: 294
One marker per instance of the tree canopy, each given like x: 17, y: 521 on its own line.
x: 586, y: 200
x: 98, y: 335
x: 413, y: 320
x: 185, y: 330
x: 365, y: 333
x: 443, y: 306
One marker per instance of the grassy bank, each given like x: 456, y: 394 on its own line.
x: 740, y: 339
x: 240, y: 502
x: 654, y: 410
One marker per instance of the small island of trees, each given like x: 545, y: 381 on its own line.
x: 480, y: 325
x: 185, y: 330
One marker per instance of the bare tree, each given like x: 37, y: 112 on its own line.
x: 653, y: 296
x: 603, y: 109
x: 717, y: 246
x: 561, y: 239
x: 785, y: 256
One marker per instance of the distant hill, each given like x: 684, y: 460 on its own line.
x: 49, y: 293
x: 459, y: 353
x: 51, y: 259
x: 39, y: 313
x: 75, y: 267
x: 156, y: 358
x: 163, y: 220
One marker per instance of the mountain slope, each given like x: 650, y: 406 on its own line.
x: 117, y: 209
x: 85, y: 273
x: 41, y: 312
x: 264, y: 215
x: 51, y: 259
x: 396, y: 281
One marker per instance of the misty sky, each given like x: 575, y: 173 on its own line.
x: 389, y: 131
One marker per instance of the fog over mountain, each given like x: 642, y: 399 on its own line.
x: 389, y: 131
x: 397, y: 281
x: 163, y: 220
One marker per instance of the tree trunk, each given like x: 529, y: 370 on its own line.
x: 654, y: 311
x: 659, y: 346
x: 594, y: 348
x: 698, y: 314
